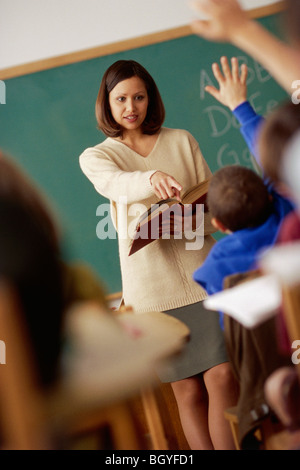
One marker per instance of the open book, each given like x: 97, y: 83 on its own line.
x: 169, y: 217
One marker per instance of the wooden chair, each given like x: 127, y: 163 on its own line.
x: 96, y: 410
x: 267, y: 430
x: 162, y: 418
x: 282, y: 261
x: 291, y: 310
x: 160, y: 415
x: 31, y: 419
x: 278, y: 436
x: 111, y: 427
x: 100, y: 404
x: 231, y: 416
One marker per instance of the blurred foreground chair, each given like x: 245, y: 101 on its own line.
x: 97, y: 398
x: 22, y: 407
x: 283, y: 387
x: 254, y: 355
x: 158, y: 408
x: 104, y: 374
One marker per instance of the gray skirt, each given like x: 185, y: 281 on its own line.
x: 205, y: 347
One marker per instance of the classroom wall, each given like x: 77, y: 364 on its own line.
x: 37, y: 29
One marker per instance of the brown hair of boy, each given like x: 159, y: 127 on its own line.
x: 238, y: 198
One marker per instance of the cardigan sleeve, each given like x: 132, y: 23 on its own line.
x: 112, y: 182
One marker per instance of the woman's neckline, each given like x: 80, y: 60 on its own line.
x: 134, y: 151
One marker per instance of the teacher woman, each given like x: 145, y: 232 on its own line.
x: 142, y: 162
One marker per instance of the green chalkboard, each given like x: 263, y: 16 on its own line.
x: 48, y: 120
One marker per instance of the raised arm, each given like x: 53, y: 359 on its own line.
x: 232, y: 93
x: 228, y: 22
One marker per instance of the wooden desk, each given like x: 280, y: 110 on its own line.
x: 106, y: 367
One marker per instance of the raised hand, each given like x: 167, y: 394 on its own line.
x: 225, y: 19
x: 232, y: 83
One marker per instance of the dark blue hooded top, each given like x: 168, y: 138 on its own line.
x: 240, y: 251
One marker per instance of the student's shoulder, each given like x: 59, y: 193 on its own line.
x: 225, y: 246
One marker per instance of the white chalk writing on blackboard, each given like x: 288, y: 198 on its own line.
x: 221, y: 120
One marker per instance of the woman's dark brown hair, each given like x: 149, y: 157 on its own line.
x: 117, y: 72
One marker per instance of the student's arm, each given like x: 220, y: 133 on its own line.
x: 232, y: 93
x: 250, y: 126
x: 228, y: 22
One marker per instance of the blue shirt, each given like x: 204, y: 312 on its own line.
x: 250, y: 126
x: 240, y: 251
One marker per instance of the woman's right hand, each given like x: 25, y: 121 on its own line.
x: 165, y: 186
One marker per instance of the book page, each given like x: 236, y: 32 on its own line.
x: 156, y: 209
x: 251, y: 302
x: 195, y: 192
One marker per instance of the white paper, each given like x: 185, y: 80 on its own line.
x: 284, y: 262
x: 251, y: 302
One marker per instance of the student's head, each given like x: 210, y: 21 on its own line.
x: 278, y: 129
x: 237, y: 199
x: 30, y: 263
x: 127, y: 83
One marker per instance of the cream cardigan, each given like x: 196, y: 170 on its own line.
x: 159, y: 276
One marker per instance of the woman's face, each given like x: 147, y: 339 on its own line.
x: 129, y: 103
